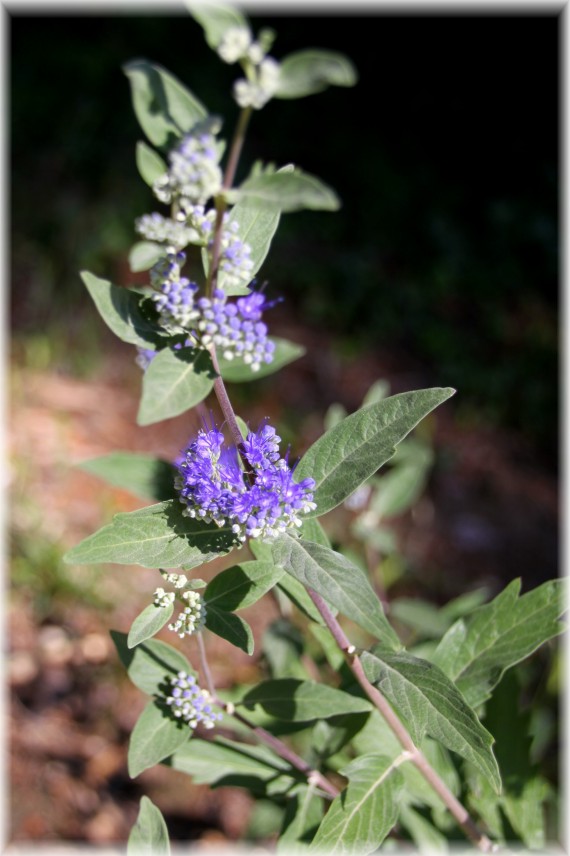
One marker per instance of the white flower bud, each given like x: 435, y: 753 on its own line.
x: 234, y: 44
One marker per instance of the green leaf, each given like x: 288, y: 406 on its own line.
x: 149, y: 163
x: 144, y: 254
x: 151, y: 664
x: 221, y: 762
x: 423, y: 617
x: 156, y: 735
x: 424, y: 834
x: 150, y: 621
x: 311, y: 530
x: 477, y: 649
x: 236, y: 371
x: 297, y: 594
x: 215, y: 18
x: 307, y: 72
x: 361, y: 817
x: 230, y: 626
x: 303, y: 814
x: 429, y: 703
x: 283, y: 647
x: 288, y: 190
x: 149, y: 835
x: 158, y: 536
x: 166, y: 110
x: 143, y: 475
x: 174, y: 382
x: 242, y: 585
x: 347, y: 455
x: 120, y: 310
x: 337, y: 580
x: 302, y: 701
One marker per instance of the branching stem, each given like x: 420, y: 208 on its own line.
x: 313, y: 776
x: 415, y: 755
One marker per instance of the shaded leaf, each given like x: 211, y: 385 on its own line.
x: 149, y: 835
x: 303, y: 814
x: 426, y: 837
x: 143, y: 475
x: 242, y: 585
x: 174, y: 382
x: 158, y: 536
x: 302, y: 701
x: 429, y: 703
x: 477, y: 649
x: 338, y: 581
x: 361, y: 817
x: 151, y: 664
x: 236, y: 371
x: 230, y: 626
x: 149, y: 164
x: 156, y: 735
x: 148, y: 622
x: 309, y: 71
x: 120, y: 310
x: 165, y: 109
x: 347, y: 455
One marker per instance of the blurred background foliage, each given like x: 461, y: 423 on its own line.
x: 445, y: 155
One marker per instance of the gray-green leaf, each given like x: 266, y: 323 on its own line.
x: 361, y: 817
x: 143, y: 475
x: 144, y: 254
x: 242, y: 585
x: 336, y: 579
x: 166, y: 109
x: 477, y: 649
x: 288, y: 190
x: 120, y: 310
x: 215, y: 19
x: 219, y: 762
x: 347, y: 455
x: 149, y: 835
x: 158, y: 536
x: 236, y: 371
x: 429, y: 703
x: 151, y: 664
x: 149, y: 163
x: 302, y: 701
x: 174, y: 382
x: 307, y: 72
x: 148, y: 622
x: 156, y: 735
x: 231, y: 627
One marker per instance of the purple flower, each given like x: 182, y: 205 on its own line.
x: 213, y: 486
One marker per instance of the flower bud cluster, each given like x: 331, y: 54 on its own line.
x: 163, y: 598
x: 256, y: 93
x: 175, y: 297
x: 192, y: 618
x: 163, y: 230
x: 194, y: 173
x: 236, y: 328
x: 176, y: 580
x: 213, y: 486
x: 235, y: 257
x: 190, y: 703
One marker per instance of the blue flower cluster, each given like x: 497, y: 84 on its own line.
x: 175, y: 297
x: 236, y: 328
x: 214, y: 488
x: 191, y: 704
x: 194, y: 174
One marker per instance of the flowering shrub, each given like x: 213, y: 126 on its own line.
x: 398, y: 746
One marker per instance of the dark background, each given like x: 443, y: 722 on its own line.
x: 445, y: 253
